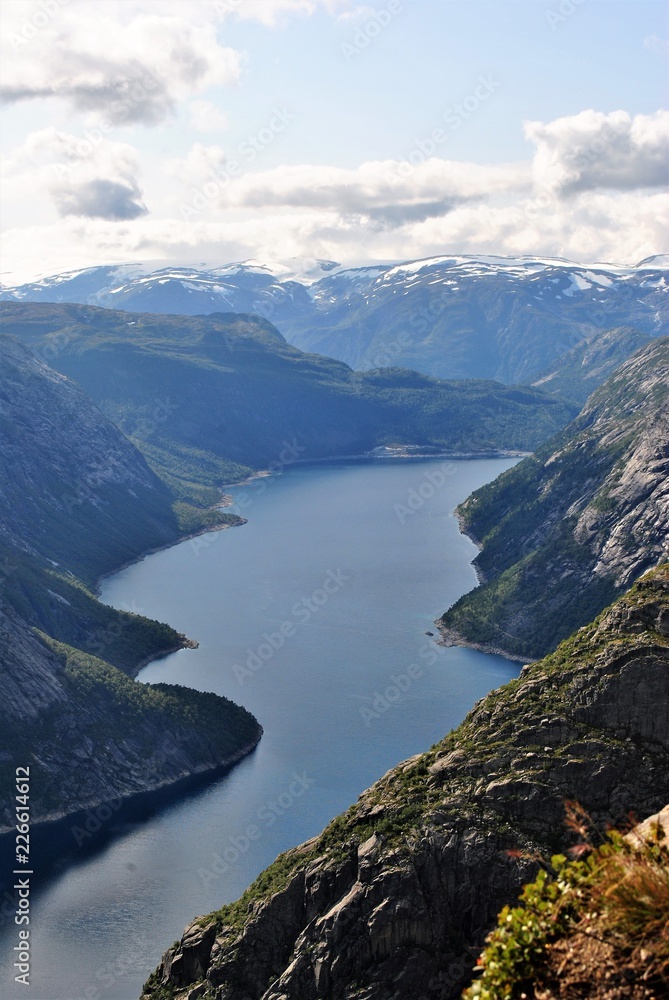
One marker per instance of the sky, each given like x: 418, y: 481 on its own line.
x: 210, y: 131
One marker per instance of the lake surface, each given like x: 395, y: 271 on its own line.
x: 355, y: 560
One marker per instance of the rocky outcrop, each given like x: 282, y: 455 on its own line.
x: 568, y: 529
x: 394, y: 898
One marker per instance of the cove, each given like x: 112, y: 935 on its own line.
x: 313, y: 615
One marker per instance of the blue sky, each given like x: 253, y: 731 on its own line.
x: 360, y: 131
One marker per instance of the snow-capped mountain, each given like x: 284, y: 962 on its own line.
x: 461, y: 316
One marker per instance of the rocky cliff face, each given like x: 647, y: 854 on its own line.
x: 73, y: 489
x: 91, y: 735
x: 77, y: 498
x: 569, y: 528
x: 393, y: 898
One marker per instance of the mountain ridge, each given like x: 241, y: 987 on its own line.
x: 209, y: 398
x: 452, y: 316
x: 564, y: 531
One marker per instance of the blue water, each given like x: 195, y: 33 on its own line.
x: 312, y: 615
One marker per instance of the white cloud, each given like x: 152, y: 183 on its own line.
x: 206, y: 117
x: 120, y: 65
x: 386, y: 193
x: 656, y: 44
x: 84, y: 175
x: 201, y: 164
x: 593, y: 150
x: 272, y: 12
x: 379, y: 210
x: 606, y: 226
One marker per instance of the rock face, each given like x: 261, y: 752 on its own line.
x: 77, y: 498
x: 582, y: 369
x: 394, y: 898
x: 569, y: 528
x: 73, y: 489
x: 91, y: 735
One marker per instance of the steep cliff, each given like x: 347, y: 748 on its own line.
x: 391, y: 900
x: 76, y: 499
x: 91, y: 735
x: 568, y: 529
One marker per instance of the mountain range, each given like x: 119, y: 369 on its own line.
x: 208, y: 398
x: 118, y: 430
x: 451, y: 317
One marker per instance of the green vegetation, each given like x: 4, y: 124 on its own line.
x: 157, y: 725
x: 79, y: 500
x: 206, y: 398
x: 617, y: 899
x: 61, y: 606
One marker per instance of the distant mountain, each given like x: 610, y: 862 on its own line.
x: 78, y: 499
x: 454, y: 317
x: 248, y: 287
x: 207, y: 398
x: 578, y: 372
x: 568, y: 529
x: 477, y: 317
x: 393, y: 899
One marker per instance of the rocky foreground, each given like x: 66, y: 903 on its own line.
x: 394, y: 899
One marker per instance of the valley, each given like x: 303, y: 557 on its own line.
x: 122, y: 432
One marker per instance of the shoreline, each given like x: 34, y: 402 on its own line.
x: 167, y: 788
x: 381, y: 454
x: 96, y: 588
x: 449, y: 637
